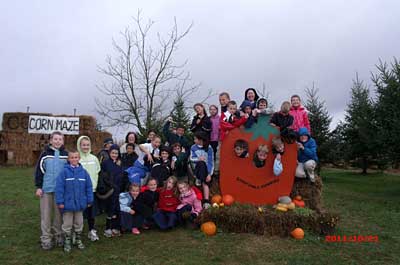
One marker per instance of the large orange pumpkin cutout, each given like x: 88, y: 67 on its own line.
x: 247, y: 183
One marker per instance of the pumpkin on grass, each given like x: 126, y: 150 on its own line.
x: 297, y: 233
x: 227, y: 199
x: 216, y: 199
x: 209, y: 228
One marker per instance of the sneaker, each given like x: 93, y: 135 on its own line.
x: 206, y: 205
x: 135, y: 231
x: 46, y: 246
x: 108, y: 233
x: 198, y: 183
x: 67, y: 244
x: 78, y: 242
x: 116, y: 232
x: 92, y: 235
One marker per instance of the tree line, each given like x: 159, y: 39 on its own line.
x: 144, y: 80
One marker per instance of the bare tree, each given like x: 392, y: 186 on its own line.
x: 144, y: 77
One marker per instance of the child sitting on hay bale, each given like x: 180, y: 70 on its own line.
x: 190, y: 205
x: 51, y: 162
x: 307, y: 155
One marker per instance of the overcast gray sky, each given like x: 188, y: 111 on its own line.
x: 50, y: 50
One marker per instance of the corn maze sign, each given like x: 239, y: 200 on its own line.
x: 49, y: 124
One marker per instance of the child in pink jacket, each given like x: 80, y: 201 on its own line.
x: 190, y: 206
x: 299, y: 114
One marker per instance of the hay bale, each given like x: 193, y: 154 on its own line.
x: 25, y: 148
x: 245, y: 218
x: 311, y: 192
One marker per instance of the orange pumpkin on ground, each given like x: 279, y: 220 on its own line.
x: 299, y: 203
x: 228, y: 199
x: 297, y: 233
x: 209, y: 228
x: 216, y: 199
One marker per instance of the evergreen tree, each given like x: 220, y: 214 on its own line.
x: 180, y: 116
x: 336, y: 146
x: 320, y: 121
x: 360, y: 126
x: 387, y: 83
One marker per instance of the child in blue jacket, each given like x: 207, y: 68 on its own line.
x: 202, y: 158
x: 74, y: 193
x: 49, y: 166
x: 307, y: 155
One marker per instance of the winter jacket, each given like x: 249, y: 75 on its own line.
x: 128, y: 203
x: 74, y: 188
x: 310, y: 148
x: 173, y: 138
x: 137, y: 172
x: 161, y: 170
x: 281, y: 120
x: 51, y: 162
x: 203, y: 126
x: 167, y: 201
x: 115, y: 171
x: 223, y: 110
x: 215, y: 121
x: 128, y: 160
x: 181, y: 164
x: 278, y: 167
x: 89, y: 162
x: 150, y: 198
x: 230, y: 122
x: 197, y: 151
x: 300, y: 117
x: 191, y: 199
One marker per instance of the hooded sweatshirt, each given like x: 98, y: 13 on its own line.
x: 300, y: 118
x: 89, y: 162
x: 310, y: 148
x: 190, y: 198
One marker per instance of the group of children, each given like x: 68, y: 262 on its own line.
x: 140, y: 186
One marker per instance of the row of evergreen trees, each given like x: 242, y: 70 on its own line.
x: 370, y: 133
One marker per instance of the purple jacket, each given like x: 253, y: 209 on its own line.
x: 214, y: 128
x: 190, y: 198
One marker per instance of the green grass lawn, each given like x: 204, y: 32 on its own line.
x: 368, y: 205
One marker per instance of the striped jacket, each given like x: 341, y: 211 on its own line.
x: 49, y: 166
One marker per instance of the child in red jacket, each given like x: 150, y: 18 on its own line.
x: 165, y: 216
x: 232, y: 119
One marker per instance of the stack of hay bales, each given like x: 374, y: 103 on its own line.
x: 23, y: 149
